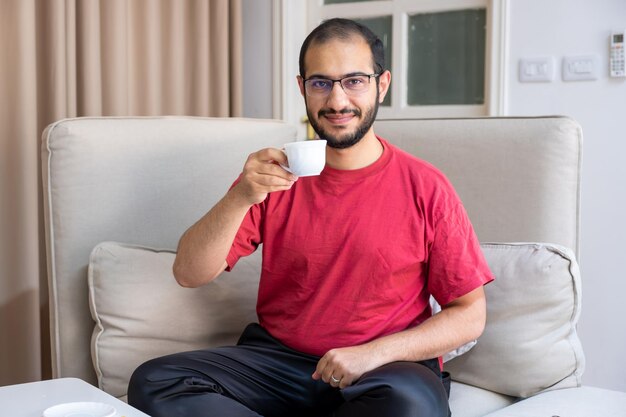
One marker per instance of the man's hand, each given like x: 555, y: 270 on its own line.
x: 262, y: 174
x: 341, y: 367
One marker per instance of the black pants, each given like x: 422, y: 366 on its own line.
x: 262, y: 377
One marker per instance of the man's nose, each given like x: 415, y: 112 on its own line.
x: 337, y: 98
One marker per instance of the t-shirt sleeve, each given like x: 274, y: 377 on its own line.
x: 249, y: 235
x: 457, y: 265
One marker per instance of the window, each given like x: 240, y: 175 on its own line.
x: 381, y: 26
x: 444, y: 55
x: 446, y: 62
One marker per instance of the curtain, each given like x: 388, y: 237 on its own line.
x: 68, y: 58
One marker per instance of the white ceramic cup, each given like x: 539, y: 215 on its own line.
x: 305, y: 158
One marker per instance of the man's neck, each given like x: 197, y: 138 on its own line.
x: 364, y: 153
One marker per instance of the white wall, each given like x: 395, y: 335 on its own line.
x: 581, y: 27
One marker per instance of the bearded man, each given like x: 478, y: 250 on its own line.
x: 350, y: 260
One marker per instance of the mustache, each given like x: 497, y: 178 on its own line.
x: 324, y: 112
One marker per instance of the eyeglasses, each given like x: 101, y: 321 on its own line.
x: 352, y: 85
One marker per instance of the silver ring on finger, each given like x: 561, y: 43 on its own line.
x: 335, y: 380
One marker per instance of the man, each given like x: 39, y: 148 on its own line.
x: 350, y: 258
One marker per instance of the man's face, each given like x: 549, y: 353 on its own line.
x: 342, y: 119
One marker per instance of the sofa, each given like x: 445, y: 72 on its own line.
x: 119, y: 192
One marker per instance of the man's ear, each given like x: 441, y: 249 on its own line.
x: 300, y: 84
x: 384, y: 82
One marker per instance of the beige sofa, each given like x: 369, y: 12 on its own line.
x: 119, y: 192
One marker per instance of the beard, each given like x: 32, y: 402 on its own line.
x: 349, y: 139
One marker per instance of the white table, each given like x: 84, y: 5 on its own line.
x: 31, y: 399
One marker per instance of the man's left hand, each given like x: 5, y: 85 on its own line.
x: 341, y: 367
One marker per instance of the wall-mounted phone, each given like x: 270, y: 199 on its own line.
x: 617, y: 65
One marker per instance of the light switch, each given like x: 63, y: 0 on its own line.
x: 580, y: 68
x: 536, y: 69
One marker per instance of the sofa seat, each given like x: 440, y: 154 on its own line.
x: 470, y: 401
x: 572, y: 402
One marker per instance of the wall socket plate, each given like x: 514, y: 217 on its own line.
x: 536, y: 69
x: 580, y: 68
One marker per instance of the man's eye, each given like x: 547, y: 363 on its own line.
x: 354, y: 81
x: 319, y: 84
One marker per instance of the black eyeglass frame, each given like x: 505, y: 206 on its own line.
x: 349, y: 92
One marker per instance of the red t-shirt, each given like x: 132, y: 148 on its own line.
x: 350, y: 256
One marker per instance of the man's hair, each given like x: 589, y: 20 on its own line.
x: 344, y: 29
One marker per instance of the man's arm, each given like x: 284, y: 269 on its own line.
x: 459, y: 322
x: 203, y: 248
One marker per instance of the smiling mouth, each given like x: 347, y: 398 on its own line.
x: 338, y: 118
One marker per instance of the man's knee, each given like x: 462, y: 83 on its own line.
x: 399, y: 389
x: 417, y: 388
x: 139, y: 387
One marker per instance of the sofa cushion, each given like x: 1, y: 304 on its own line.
x: 530, y: 342
x: 141, y: 312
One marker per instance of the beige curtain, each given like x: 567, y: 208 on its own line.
x: 67, y: 58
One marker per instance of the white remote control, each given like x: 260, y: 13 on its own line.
x: 617, y: 65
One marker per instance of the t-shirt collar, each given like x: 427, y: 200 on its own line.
x: 358, y: 174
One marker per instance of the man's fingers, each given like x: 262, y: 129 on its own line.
x: 340, y: 368
x: 262, y: 175
x: 271, y: 180
x: 278, y: 171
x: 266, y: 161
x: 272, y: 154
x: 319, y: 370
x: 330, y: 373
x: 345, y: 382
